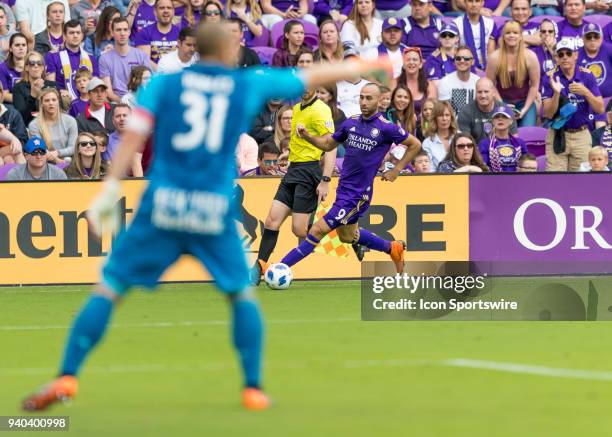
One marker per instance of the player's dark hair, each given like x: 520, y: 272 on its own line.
x: 289, y: 25
x: 71, y: 24
x: 185, y: 33
x: 267, y: 147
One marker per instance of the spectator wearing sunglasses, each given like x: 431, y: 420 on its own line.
x: 87, y: 161
x: 597, y: 57
x: 568, y: 146
x: 36, y: 167
x: 459, y: 87
x: 26, y: 91
x: 546, y: 51
x: 212, y: 12
x: 463, y: 156
x: 267, y: 161
x: 442, y: 61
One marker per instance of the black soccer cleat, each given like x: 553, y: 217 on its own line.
x: 359, y: 251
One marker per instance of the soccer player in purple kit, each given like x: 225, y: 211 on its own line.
x: 367, y: 139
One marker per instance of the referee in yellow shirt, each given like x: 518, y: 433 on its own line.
x: 305, y: 184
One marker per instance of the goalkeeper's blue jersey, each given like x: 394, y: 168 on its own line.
x: 198, y: 117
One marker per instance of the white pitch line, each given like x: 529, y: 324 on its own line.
x: 554, y: 372
x: 174, y: 324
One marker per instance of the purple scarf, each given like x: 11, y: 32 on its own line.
x: 469, y: 40
x: 494, y: 156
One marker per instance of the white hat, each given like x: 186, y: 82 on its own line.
x: 565, y: 43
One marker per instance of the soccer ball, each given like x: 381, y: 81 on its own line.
x: 278, y: 276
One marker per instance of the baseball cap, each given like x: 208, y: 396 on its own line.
x: 592, y: 28
x: 565, y: 43
x: 94, y: 83
x: 450, y: 28
x: 392, y: 22
x: 34, y: 143
x: 503, y: 110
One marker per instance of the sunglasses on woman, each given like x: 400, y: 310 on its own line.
x: 36, y: 63
x: 464, y: 146
x: 87, y: 144
x: 212, y: 13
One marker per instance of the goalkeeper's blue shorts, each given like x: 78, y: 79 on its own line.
x: 143, y: 252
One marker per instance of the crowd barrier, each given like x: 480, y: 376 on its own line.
x: 44, y: 237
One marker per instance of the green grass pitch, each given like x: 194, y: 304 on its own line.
x: 166, y: 368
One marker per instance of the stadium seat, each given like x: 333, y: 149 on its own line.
x: 265, y: 54
x: 541, y: 160
x: 4, y: 169
x: 311, y: 34
x: 500, y: 21
x: 535, y: 138
x: 602, y: 20
x: 261, y: 41
x: 538, y: 19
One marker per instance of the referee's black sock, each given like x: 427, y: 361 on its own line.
x: 268, y: 243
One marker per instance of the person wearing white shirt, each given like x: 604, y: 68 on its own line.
x: 348, y: 96
x: 477, y: 32
x: 459, y: 87
x: 391, y: 44
x: 442, y: 129
x: 363, y: 29
x: 183, y: 56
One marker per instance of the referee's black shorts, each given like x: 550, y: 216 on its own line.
x: 298, y: 188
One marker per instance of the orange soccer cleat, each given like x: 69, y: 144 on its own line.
x: 62, y: 389
x: 255, y: 399
x: 397, y: 254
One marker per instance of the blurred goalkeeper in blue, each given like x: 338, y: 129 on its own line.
x: 187, y: 206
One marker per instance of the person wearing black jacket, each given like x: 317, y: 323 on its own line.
x: 246, y: 56
x: 263, y: 127
x: 11, y: 119
x: 26, y: 91
x: 52, y: 37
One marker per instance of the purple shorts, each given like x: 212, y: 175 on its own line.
x: 346, y: 211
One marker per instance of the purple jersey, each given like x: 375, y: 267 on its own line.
x: 161, y: 43
x: 145, y: 16
x: 8, y: 76
x: 424, y: 37
x: 581, y: 75
x: 54, y: 65
x: 568, y: 31
x: 502, y: 154
x: 439, y: 65
x: 366, y: 142
x: 545, y: 58
x: 600, y: 66
x: 77, y: 106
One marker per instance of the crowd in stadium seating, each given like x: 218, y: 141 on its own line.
x: 486, y: 85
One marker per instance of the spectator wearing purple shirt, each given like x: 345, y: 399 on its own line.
x: 337, y: 10
x: 160, y: 38
x: 571, y: 26
x: 367, y: 138
x: 117, y: 63
x: 63, y: 65
x: 477, y: 32
x: 52, y: 38
x: 279, y: 10
x: 502, y: 150
x: 141, y: 14
x: 442, y: 61
x: 10, y: 70
x: 597, y: 57
x: 81, y: 80
x: 422, y: 29
x: 193, y: 13
x: 546, y: 52
x: 249, y: 14
x: 521, y: 13
x: 568, y: 147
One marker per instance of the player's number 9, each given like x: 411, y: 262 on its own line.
x: 205, y: 126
